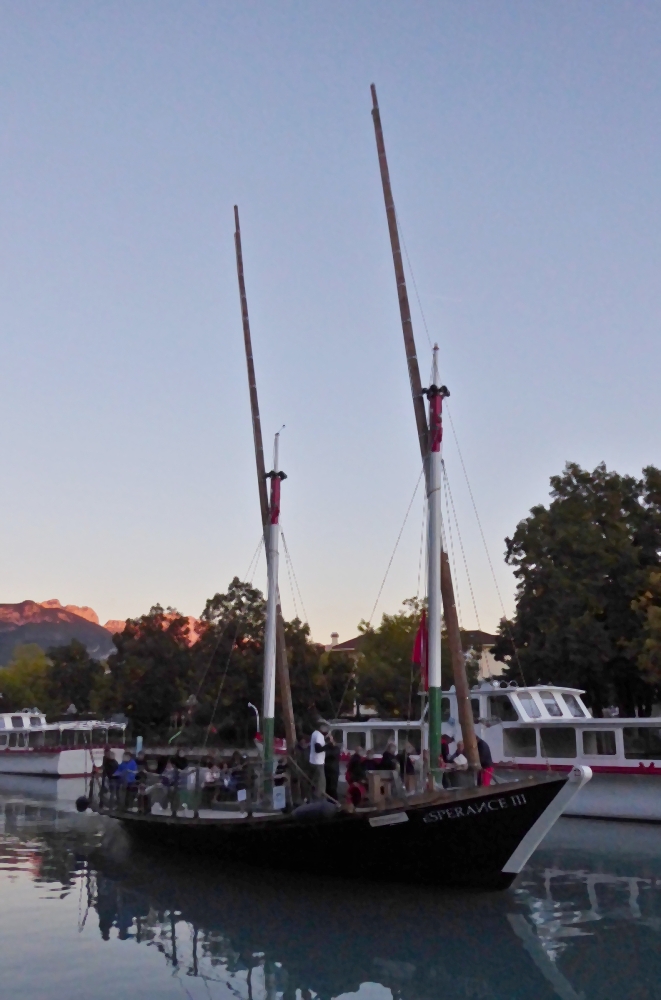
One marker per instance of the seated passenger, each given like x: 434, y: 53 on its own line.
x: 356, y: 777
x: 389, y: 760
x: 128, y: 769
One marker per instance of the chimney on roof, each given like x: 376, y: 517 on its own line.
x: 334, y: 639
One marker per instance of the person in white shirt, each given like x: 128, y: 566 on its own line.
x: 317, y: 759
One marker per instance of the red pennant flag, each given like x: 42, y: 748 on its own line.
x: 420, y: 651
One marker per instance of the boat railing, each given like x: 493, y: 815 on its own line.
x: 186, y: 794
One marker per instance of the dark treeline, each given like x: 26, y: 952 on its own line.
x: 165, y: 684
x: 588, y: 614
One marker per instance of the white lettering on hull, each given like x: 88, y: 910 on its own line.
x: 463, y: 812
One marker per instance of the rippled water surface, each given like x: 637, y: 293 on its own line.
x: 84, y: 915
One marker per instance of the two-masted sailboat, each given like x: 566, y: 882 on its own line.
x: 478, y: 836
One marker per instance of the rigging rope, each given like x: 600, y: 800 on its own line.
x: 461, y: 459
x: 486, y: 549
x: 461, y: 544
x: 254, y: 560
x: 385, y: 575
x: 452, y: 559
x: 291, y: 563
x: 422, y: 545
x: 222, y: 682
x: 289, y: 572
x: 415, y: 286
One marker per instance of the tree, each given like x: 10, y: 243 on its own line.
x: 583, y: 564
x: 386, y: 677
x: 321, y: 683
x: 72, y: 676
x: 648, y: 607
x: 230, y: 658
x: 24, y: 681
x: 151, y: 672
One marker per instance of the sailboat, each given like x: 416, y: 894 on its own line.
x: 478, y: 837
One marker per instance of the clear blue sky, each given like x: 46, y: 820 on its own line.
x: 525, y: 155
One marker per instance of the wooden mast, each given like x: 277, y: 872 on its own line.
x: 447, y: 590
x: 281, y: 649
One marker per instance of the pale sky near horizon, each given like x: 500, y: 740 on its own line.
x: 524, y: 149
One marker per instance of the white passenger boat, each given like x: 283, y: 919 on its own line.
x: 544, y: 728
x: 30, y: 745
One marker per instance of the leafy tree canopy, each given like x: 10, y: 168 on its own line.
x: 72, y: 677
x: 24, y: 681
x: 588, y: 602
x: 386, y: 677
x: 151, y: 670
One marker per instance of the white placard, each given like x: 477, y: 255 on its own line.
x: 279, y: 797
x: 390, y: 819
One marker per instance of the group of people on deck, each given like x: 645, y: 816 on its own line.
x: 319, y: 758
x: 132, y: 781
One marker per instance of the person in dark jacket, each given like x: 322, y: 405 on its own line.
x: 486, y: 762
x: 356, y: 777
x: 388, y: 759
x: 445, y: 748
x: 332, y: 766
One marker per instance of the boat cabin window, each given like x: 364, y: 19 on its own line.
x: 52, y: 738
x: 411, y: 736
x: 574, y: 707
x: 116, y: 736
x: 36, y: 739
x: 381, y: 738
x: 501, y: 707
x: 2, y: 722
x: 17, y: 721
x: 550, y: 703
x: 520, y: 742
x: 35, y: 720
x: 18, y: 739
x: 68, y: 737
x: 3, y: 740
x: 445, y: 709
x: 558, y: 741
x: 99, y: 737
x: 530, y: 706
x: 355, y: 740
x: 642, y: 743
x: 475, y: 705
x: 599, y: 742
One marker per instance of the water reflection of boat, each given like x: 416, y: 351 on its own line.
x: 29, y: 802
x: 263, y: 934
x: 582, y: 922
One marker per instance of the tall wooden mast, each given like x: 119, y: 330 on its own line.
x: 447, y: 589
x: 281, y: 649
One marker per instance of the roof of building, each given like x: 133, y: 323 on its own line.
x: 348, y: 646
x: 480, y: 638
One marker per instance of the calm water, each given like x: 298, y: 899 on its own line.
x: 83, y: 915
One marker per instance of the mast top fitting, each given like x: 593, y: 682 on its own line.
x: 436, y: 390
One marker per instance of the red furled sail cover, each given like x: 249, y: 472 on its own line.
x: 420, y: 651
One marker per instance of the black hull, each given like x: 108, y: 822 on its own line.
x: 462, y: 841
